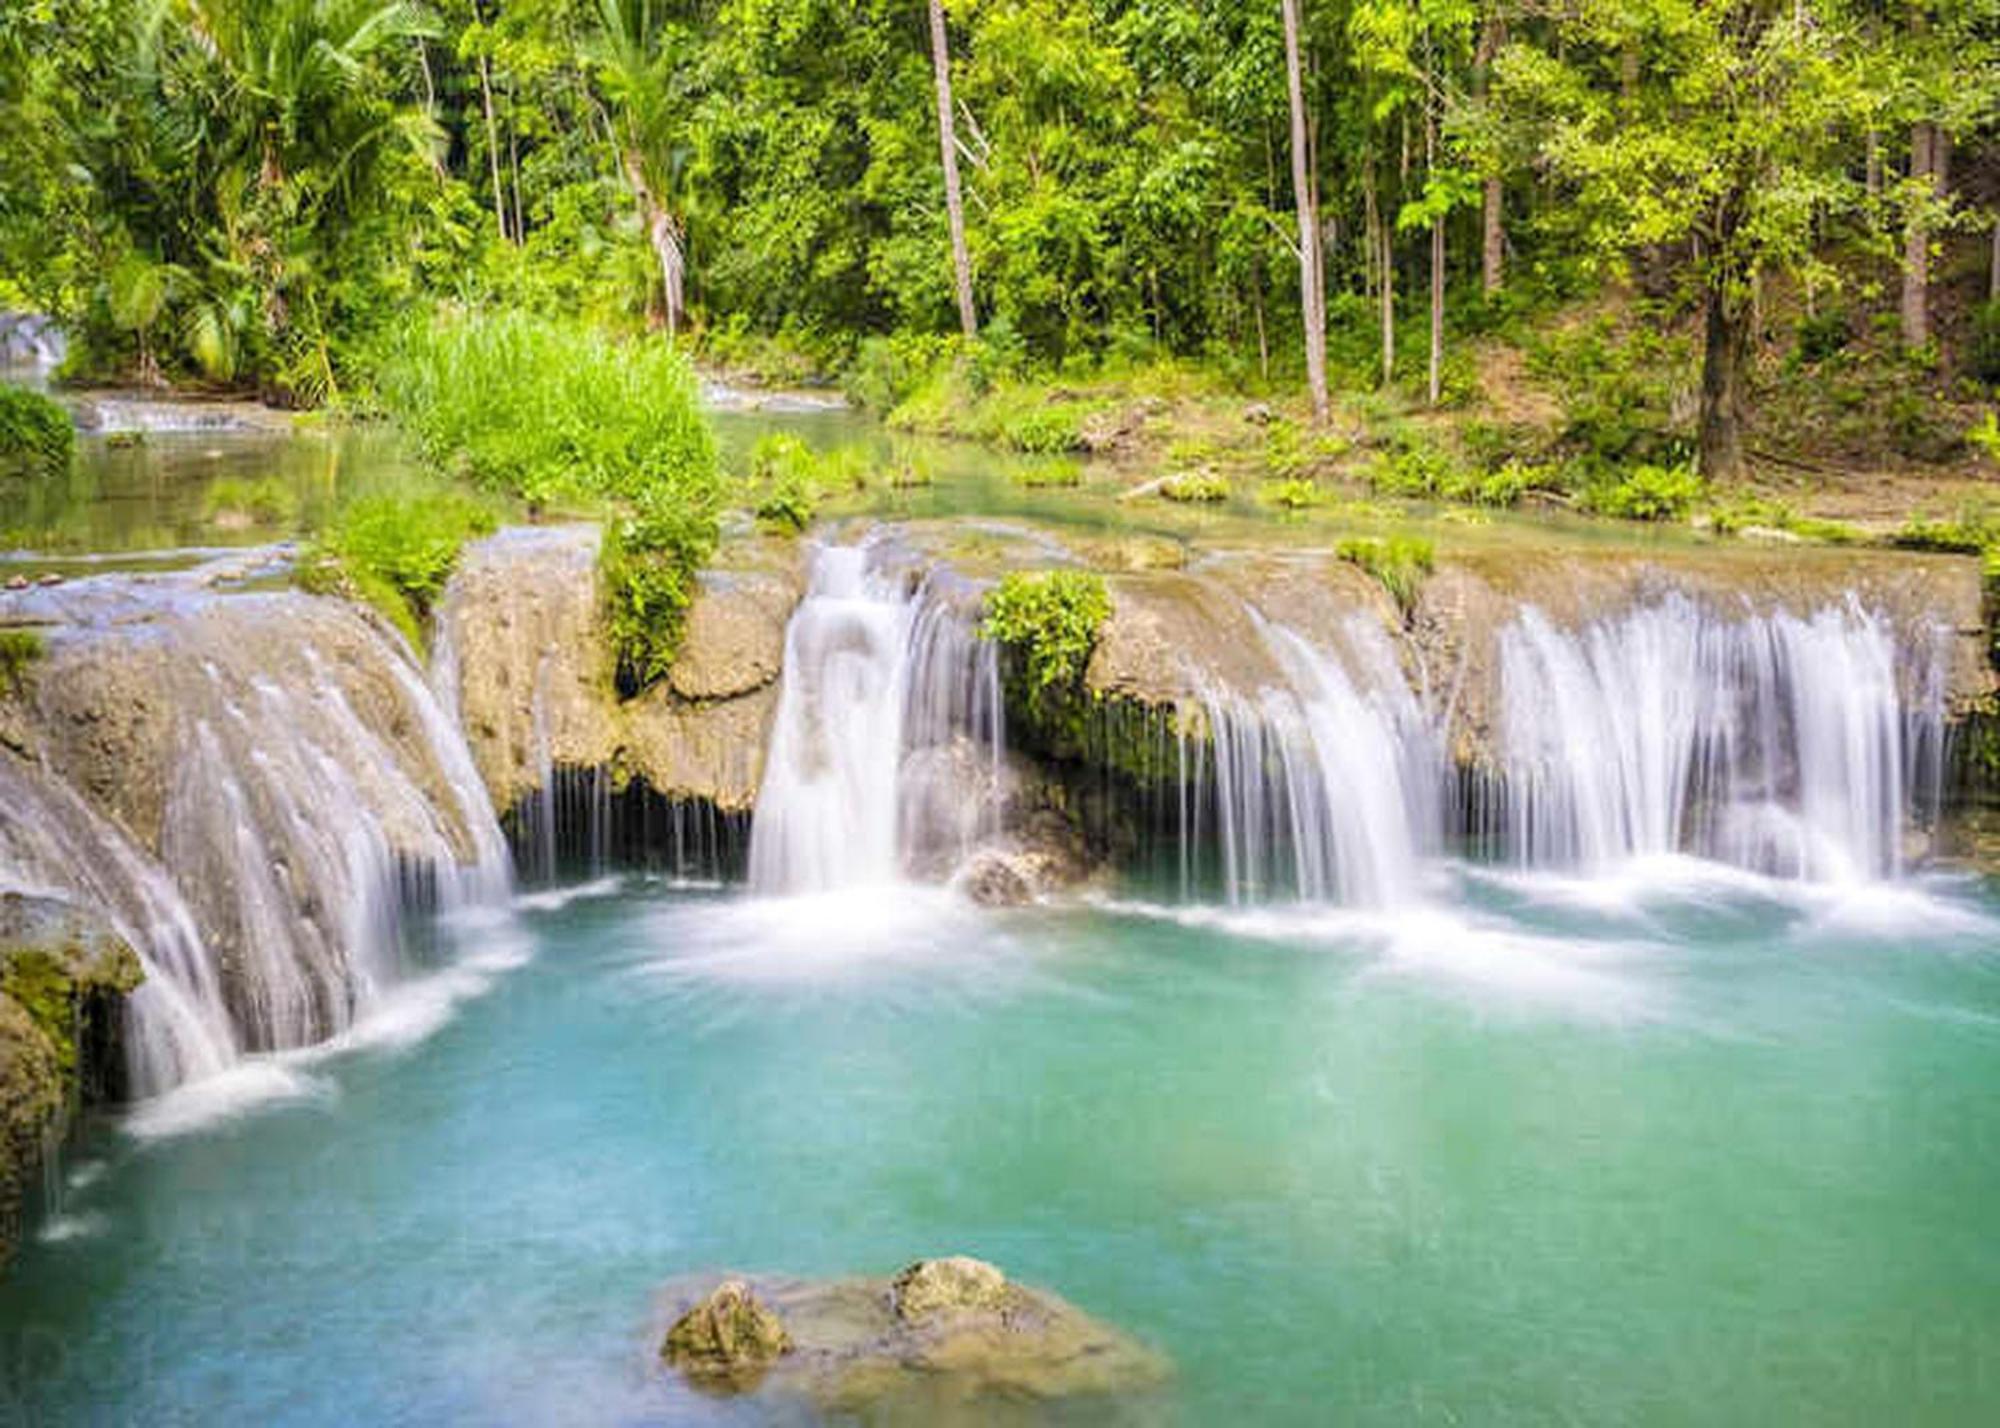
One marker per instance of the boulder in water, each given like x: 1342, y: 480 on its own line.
x: 726, y: 1341
x: 943, y: 1336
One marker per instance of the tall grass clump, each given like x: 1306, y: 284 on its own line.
x: 559, y: 414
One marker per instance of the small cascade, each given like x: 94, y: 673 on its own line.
x: 53, y: 844
x: 317, y: 806
x: 1321, y: 787
x: 884, y: 756
x: 1798, y: 747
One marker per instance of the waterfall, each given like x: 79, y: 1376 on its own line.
x: 318, y: 805
x: 1322, y: 788
x: 888, y: 700
x: 1793, y: 746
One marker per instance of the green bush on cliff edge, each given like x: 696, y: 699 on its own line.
x: 1050, y: 619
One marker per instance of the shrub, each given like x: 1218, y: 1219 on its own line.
x: 1982, y: 354
x: 36, y: 435
x: 1195, y: 487
x: 395, y: 549
x: 1646, y: 493
x: 1052, y: 472
x: 789, y: 478
x: 887, y: 370
x: 1824, y: 334
x: 1398, y: 563
x: 1292, y: 494
x: 651, y: 555
x: 1051, y: 620
x: 1984, y: 434
x: 1974, y: 530
x: 18, y: 650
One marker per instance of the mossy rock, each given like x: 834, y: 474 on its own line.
x: 942, y: 1339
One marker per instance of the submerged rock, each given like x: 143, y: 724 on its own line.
x: 942, y: 1335
x: 63, y: 974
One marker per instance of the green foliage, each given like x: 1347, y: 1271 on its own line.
x: 1421, y: 470
x: 1741, y: 513
x: 19, y: 649
x: 36, y: 435
x: 789, y: 479
x: 1984, y: 434
x: 1195, y: 487
x: 1398, y: 563
x: 1974, y: 530
x: 1050, y: 619
x: 1982, y: 357
x: 546, y: 410
x: 395, y: 549
x: 557, y: 413
x: 1293, y: 493
x: 1646, y: 493
x: 1824, y: 333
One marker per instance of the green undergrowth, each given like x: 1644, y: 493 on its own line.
x: 1049, y: 621
x: 1398, y: 563
x: 19, y: 649
x: 788, y: 479
x: 394, y: 548
x: 37, y: 437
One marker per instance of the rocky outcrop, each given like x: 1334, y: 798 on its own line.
x: 256, y: 785
x: 523, y: 627
x: 63, y: 977
x: 943, y: 1335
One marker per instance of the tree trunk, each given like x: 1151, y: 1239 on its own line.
x: 1386, y: 261
x: 1993, y: 264
x: 1726, y: 339
x: 1437, y: 310
x: 1312, y: 298
x: 492, y: 145
x: 663, y: 231
x: 1916, y: 244
x: 1492, y: 221
x: 954, y: 203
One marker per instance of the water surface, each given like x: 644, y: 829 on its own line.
x: 1678, y: 1145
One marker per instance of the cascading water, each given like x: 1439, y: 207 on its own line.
x: 1322, y: 788
x: 1799, y: 747
x: 887, y: 695
x: 301, y: 843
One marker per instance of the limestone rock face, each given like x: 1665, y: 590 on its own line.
x: 62, y: 975
x: 942, y: 1338
x: 531, y: 669
x: 727, y: 1340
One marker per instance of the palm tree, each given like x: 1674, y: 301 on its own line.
x: 637, y: 61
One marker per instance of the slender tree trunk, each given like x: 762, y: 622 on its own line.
x: 1437, y: 310
x: 1916, y: 243
x: 954, y: 203
x: 1725, y: 342
x: 492, y: 145
x: 1492, y: 218
x: 1993, y: 264
x: 1386, y: 262
x: 1312, y: 298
